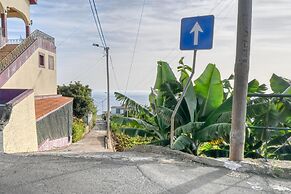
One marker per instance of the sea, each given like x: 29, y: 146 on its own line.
x: 100, y: 99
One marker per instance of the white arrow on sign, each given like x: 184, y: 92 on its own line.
x: 196, y: 29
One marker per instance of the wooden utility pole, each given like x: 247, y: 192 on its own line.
x: 241, y: 72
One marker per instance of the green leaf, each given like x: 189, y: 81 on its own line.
x: 257, y: 145
x: 225, y: 107
x: 255, y: 87
x: 284, y: 149
x: 216, y: 153
x: 213, y: 132
x: 163, y: 142
x: 279, y: 84
x: 133, y: 121
x: 132, y: 132
x: 164, y: 74
x: 253, y: 155
x: 257, y: 107
x: 287, y: 91
x: 279, y: 140
x: 169, y: 90
x: 210, y: 89
x: 190, y: 96
x: 165, y: 115
x: 182, y: 143
x: 131, y: 104
x: 284, y: 157
x: 189, y: 128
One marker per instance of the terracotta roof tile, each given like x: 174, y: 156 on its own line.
x: 44, y: 106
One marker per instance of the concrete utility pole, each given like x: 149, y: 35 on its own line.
x: 108, y: 93
x: 241, y: 71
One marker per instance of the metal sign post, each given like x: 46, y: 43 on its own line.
x: 196, y: 34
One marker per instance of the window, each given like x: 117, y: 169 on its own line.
x: 42, y: 60
x: 51, y: 62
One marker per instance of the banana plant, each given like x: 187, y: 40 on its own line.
x: 203, y: 119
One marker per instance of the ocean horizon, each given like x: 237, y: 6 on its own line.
x: 100, y: 99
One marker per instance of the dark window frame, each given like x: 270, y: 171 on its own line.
x: 41, y: 60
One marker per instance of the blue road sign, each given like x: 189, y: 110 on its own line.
x: 197, y: 33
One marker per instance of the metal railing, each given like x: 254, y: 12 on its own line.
x: 268, y: 128
x: 26, y: 43
x: 15, y: 41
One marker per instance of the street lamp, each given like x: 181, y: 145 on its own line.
x: 108, y: 91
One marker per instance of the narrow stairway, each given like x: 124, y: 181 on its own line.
x: 8, y: 48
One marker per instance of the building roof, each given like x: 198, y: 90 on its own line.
x: 46, y: 105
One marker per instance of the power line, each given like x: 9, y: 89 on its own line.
x: 114, y: 73
x: 135, y: 44
x: 85, y: 70
x: 173, y: 52
x: 96, y: 22
x: 100, y: 26
x: 218, y: 3
x: 223, y: 8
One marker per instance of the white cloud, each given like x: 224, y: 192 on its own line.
x: 71, y: 23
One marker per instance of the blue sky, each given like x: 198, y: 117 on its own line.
x: 71, y: 23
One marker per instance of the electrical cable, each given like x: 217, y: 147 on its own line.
x: 135, y: 45
x: 114, y: 73
x: 96, y: 23
x: 100, y: 26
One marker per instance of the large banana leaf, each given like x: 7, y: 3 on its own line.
x: 189, y: 128
x: 209, y: 89
x: 213, y: 132
x: 287, y: 91
x: 257, y: 107
x: 279, y: 84
x: 190, y: 96
x: 152, y: 99
x: 132, y: 132
x: 280, y: 140
x: 164, y: 74
x: 132, y: 104
x: 140, y: 124
x: 133, y: 122
x: 169, y: 91
x: 255, y: 87
x: 183, y: 143
x: 225, y: 107
x: 165, y: 115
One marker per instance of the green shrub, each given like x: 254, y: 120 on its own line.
x: 83, y: 101
x: 125, y: 142
x: 78, y: 129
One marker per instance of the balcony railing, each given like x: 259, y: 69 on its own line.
x: 15, y: 41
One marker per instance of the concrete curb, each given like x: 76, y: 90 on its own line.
x: 272, y: 168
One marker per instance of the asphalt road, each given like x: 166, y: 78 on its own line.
x: 126, y: 173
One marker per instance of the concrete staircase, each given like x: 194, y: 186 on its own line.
x: 6, y: 50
